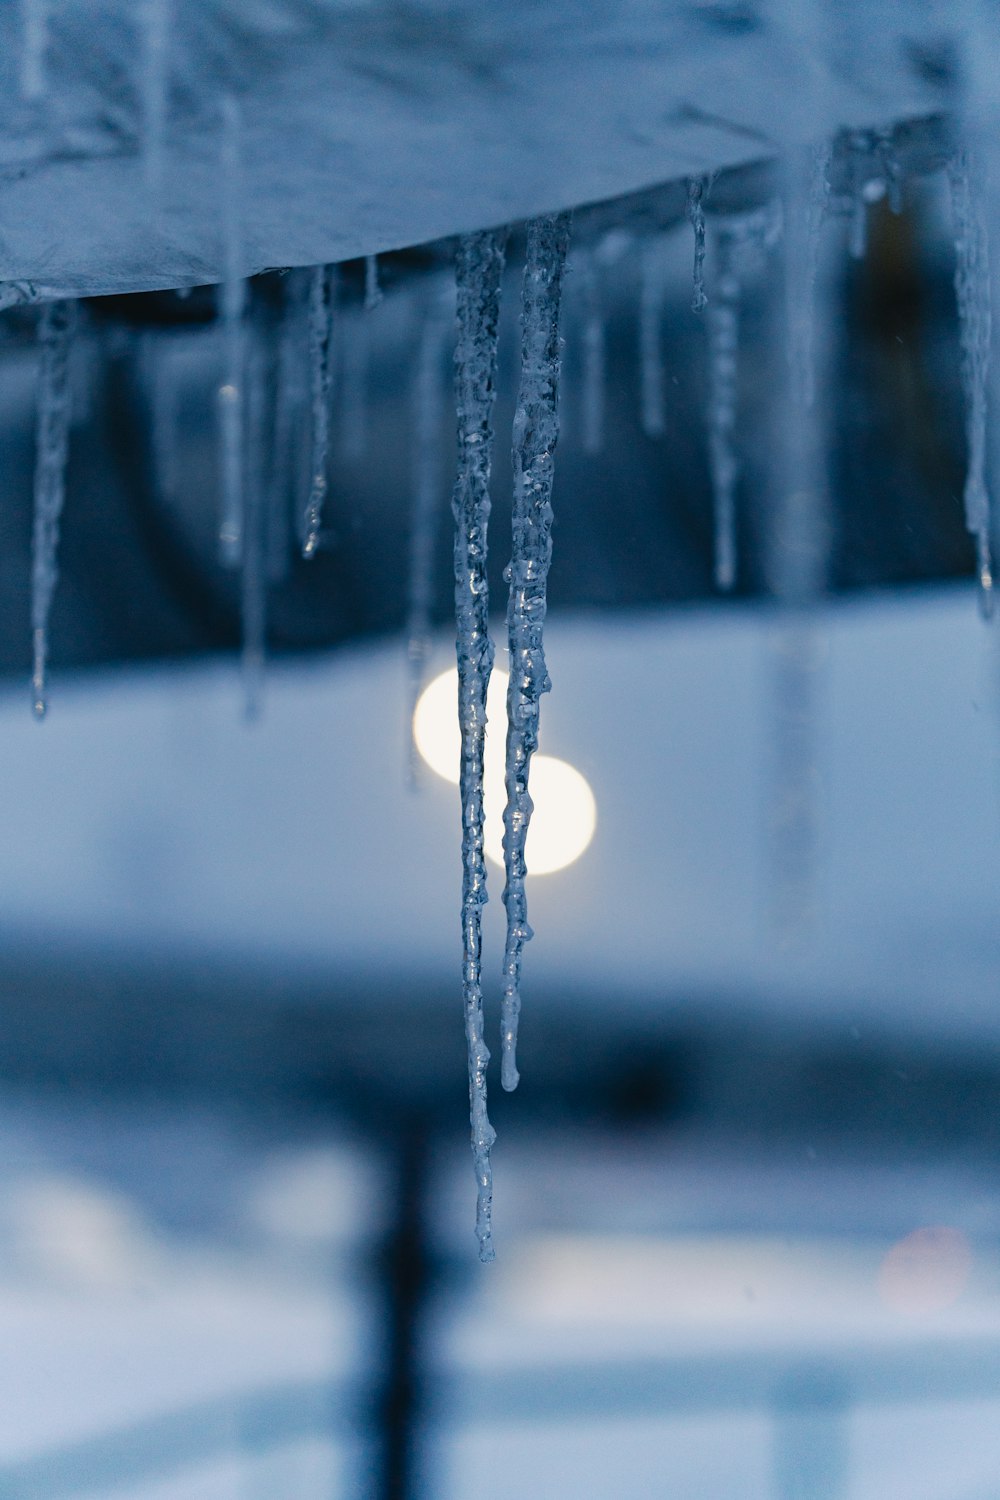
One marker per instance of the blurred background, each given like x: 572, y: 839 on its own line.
x: 747, y: 1208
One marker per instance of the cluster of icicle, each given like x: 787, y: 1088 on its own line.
x: 728, y: 249
x: 479, y: 269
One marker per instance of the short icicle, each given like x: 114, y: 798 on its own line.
x: 723, y: 343
x: 54, y: 415
x: 253, y: 602
x: 536, y: 430
x: 696, y: 214
x: 972, y: 291
x: 373, y: 292
x: 232, y: 306
x: 479, y: 272
x: 652, y: 288
x: 594, y: 354
x: 291, y: 470
x: 429, y: 391
x: 322, y: 302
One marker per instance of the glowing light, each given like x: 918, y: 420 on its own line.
x: 926, y: 1271
x: 565, y: 815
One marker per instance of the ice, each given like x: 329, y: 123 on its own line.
x: 253, y: 602
x: 536, y: 430
x: 291, y: 467
x: 155, y: 85
x: 164, y: 420
x: 322, y: 303
x: 54, y: 416
x: 429, y: 404
x: 373, y: 292
x: 723, y: 324
x: 798, y: 542
x: 696, y: 213
x: 232, y: 303
x: 594, y: 354
x: 652, y: 289
x: 479, y: 270
x: 355, y: 371
x: 34, y: 42
x: 739, y: 246
x: 972, y: 291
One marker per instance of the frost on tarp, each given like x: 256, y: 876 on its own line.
x: 479, y: 270
x: 536, y: 430
x: 54, y: 415
x: 972, y: 291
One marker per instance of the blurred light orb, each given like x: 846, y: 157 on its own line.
x: 926, y: 1271
x: 565, y: 815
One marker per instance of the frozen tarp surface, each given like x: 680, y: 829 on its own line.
x: 369, y: 125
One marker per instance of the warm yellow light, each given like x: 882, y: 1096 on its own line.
x: 565, y: 814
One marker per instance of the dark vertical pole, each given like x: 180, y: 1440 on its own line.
x: 405, y: 1277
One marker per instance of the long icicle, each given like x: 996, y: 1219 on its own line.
x: 723, y: 344
x: 536, y: 430
x: 479, y: 270
x: 322, y: 299
x: 52, y: 448
x: 232, y: 304
x: 428, y: 416
x: 972, y: 291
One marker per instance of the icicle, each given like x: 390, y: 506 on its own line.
x: 322, y: 301
x: 373, y: 292
x: 536, y: 430
x: 804, y: 212
x: 254, y: 587
x: 355, y: 356
x: 972, y: 290
x: 156, y: 28
x: 723, y: 342
x: 651, y: 296
x: 593, y: 355
x: 164, y: 418
x: 233, y: 299
x: 479, y: 270
x: 696, y: 214
x: 796, y: 557
x: 428, y: 416
x: 52, y: 448
x: 290, y: 478
x: 34, y: 44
